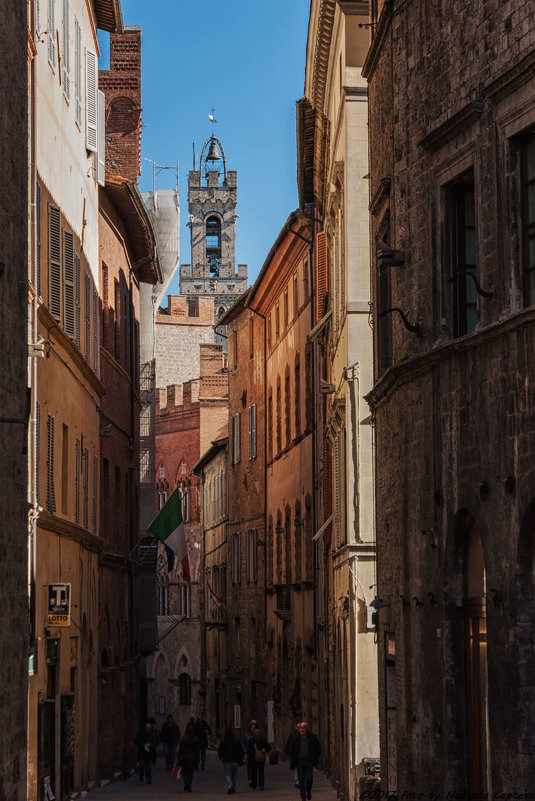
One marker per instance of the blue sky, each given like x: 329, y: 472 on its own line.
x: 246, y: 60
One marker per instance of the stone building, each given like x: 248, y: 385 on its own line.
x: 15, y: 62
x: 212, y: 472
x: 245, y: 686
x: 188, y: 418
x: 128, y: 258
x: 452, y: 172
x: 332, y: 167
x: 67, y: 165
x: 212, y: 199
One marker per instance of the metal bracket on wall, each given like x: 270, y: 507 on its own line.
x: 413, y: 327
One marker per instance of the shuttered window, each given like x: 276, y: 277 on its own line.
x: 322, y: 273
x: 54, y: 262
x: 77, y: 279
x: 101, y: 138
x: 252, y: 431
x: 87, y: 317
x: 66, y: 65
x: 50, y: 494
x: 95, y: 332
x: 77, y: 73
x: 52, y: 33
x: 77, y: 474
x: 85, y: 478
x: 38, y: 237
x: 68, y: 284
x: 237, y: 438
x: 95, y: 494
x: 91, y: 110
x: 339, y: 489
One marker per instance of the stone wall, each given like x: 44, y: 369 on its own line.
x: 13, y: 403
x: 451, y: 90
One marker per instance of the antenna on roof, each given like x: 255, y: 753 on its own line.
x: 194, y: 157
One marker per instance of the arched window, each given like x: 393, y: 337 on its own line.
x: 184, y: 687
x: 213, y: 245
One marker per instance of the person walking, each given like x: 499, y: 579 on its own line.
x: 304, y: 755
x: 187, y: 756
x: 145, y: 740
x: 248, y: 736
x: 257, y: 748
x: 201, y: 731
x: 292, y: 738
x: 170, y: 737
x: 230, y: 752
x: 156, y: 733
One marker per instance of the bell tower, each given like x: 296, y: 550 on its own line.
x: 212, y: 197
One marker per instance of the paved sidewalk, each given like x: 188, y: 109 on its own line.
x: 210, y: 784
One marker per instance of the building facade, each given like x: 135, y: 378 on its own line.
x: 188, y: 419
x: 67, y: 165
x: 452, y: 144
x: 245, y: 687
x: 16, y: 62
x: 128, y: 258
x: 336, y: 99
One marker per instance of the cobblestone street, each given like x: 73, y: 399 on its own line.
x: 211, y: 783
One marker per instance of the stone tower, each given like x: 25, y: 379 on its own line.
x: 212, y: 196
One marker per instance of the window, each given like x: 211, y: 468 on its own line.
x: 184, y: 600
x: 96, y: 347
x: 117, y: 329
x: 77, y: 474
x: 251, y: 338
x: 91, y: 109
x: 85, y: 478
x: 38, y: 237
x: 51, y: 30
x: 95, y: 494
x: 297, y: 396
x: 340, y: 489
x: 101, y: 138
x: 461, y: 253
x: 270, y: 425
x: 184, y: 689
x: 322, y: 274
x: 77, y: 73
x: 54, y: 262
x: 65, y: 470
x: 235, y: 550
x: 268, y: 335
x: 296, y: 296
x: 87, y: 317
x: 286, y: 311
x: 68, y: 284
x: 305, y: 280
x: 528, y: 218
x: 251, y: 555
x: 279, y: 416
x: 287, y: 406
x: 213, y: 245
x: 163, y: 598
x: 50, y: 494
x: 252, y: 431
x: 66, y: 62
x: 277, y: 324
x: 235, y: 434
x: 383, y: 291
x: 77, y: 337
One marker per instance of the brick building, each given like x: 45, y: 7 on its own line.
x: 452, y: 145
x: 245, y: 687
x: 188, y: 419
x: 15, y: 61
x: 127, y: 258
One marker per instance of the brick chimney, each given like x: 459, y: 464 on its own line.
x: 122, y: 86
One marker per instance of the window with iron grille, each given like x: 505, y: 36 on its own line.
x: 50, y: 493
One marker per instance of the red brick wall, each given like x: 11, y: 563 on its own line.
x: 122, y: 86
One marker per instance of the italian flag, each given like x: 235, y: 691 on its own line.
x: 168, y: 527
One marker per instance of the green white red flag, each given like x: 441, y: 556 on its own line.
x: 168, y: 527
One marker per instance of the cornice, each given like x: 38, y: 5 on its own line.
x: 511, y: 80
x: 404, y: 371
x: 453, y: 126
x: 72, y: 531
x: 322, y: 47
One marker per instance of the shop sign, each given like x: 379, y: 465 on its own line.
x: 59, y: 605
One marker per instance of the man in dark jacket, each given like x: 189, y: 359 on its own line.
x: 305, y: 752
x: 201, y: 731
x: 145, y: 740
x: 170, y: 737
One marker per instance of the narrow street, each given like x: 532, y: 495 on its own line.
x: 211, y: 783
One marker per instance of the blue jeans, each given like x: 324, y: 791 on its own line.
x: 231, y: 773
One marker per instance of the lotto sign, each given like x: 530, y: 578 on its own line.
x: 59, y: 605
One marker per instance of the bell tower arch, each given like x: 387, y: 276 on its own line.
x: 212, y: 199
